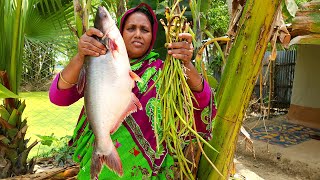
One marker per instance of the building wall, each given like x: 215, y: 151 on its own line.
x: 305, y: 99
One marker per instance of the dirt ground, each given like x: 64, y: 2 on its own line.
x: 259, y: 169
x: 297, y: 162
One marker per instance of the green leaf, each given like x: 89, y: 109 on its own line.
x: 134, y: 3
x: 12, y: 132
x: 291, y: 7
x: 6, y: 93
x: 4, y: 140
x: 14, y: 117
x: 5, y: 124
x: 47, y: 140
x: 22, y: 107
x: 205, y: 5
x: 4, y: 113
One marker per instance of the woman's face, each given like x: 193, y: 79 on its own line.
x: 137, y: 34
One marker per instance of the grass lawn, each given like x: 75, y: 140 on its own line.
x: 45, y: 118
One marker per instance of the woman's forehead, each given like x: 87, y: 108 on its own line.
x: 138, y: 17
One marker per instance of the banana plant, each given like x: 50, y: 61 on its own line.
x: 238, y: 79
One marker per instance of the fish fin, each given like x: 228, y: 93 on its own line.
x: 136, y: 101
x: 112, y: 161
x: 134, y: 76
x: 81, y: 80
x: 117, y: 125
x: 132, y: 107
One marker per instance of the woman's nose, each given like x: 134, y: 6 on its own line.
x: 138, y: 33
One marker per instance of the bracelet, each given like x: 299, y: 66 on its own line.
x: 72, y: 84
x: 194, y: 87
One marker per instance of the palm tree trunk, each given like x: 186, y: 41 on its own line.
x: 238, y: 80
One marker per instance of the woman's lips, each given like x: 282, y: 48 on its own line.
x: 137, y: 43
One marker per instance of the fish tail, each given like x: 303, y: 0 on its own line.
x: 112, y: 161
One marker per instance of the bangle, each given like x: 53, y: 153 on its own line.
x: 194, y: 87
x: 71, y: 84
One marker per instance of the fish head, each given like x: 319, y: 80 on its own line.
x: 103, y: 20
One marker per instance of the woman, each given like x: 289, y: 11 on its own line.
x: 135, y: 139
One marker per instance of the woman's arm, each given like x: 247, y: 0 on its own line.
x: 63, y: 97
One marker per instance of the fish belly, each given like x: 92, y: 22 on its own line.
x: 107, y: 95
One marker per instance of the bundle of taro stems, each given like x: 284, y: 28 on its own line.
x: 177, y: 124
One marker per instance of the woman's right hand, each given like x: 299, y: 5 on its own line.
x: 89, y: 46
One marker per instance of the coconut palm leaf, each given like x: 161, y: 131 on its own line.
x: 21, y: 20
x: 6, y: 93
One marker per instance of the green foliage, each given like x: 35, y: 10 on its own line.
x: 11, y: 35
x: 5, y: 93
x: 215, y: 62
x: 154, y: 4
x: 289, y: 8
x: 20, y: 20
x: 218, y: 18
x: 60, y: 151
x: 13, y: 145
x: 301, y: 1
x: 47, y: 140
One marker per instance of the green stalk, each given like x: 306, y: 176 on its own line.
x: 176, y: 98
x: 199, y: 62
x: 78, y: 14
x: 15, y: 47
x: 196, y: 134
x: 217, y: 45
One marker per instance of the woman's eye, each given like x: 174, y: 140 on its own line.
x: 130, y: 29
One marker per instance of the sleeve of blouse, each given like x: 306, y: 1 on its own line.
x: 203, y: 97
x: 64, y: 97
x: 205, y: 111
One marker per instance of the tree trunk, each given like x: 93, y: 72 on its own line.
x: 244, y: 62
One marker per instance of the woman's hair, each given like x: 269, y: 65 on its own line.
x: 146, y: 12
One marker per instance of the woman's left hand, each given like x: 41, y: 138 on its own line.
x: 182, y: 50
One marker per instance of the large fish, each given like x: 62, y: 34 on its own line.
x: 108, y: 93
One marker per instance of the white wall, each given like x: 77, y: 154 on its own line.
x: 306, y: 85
